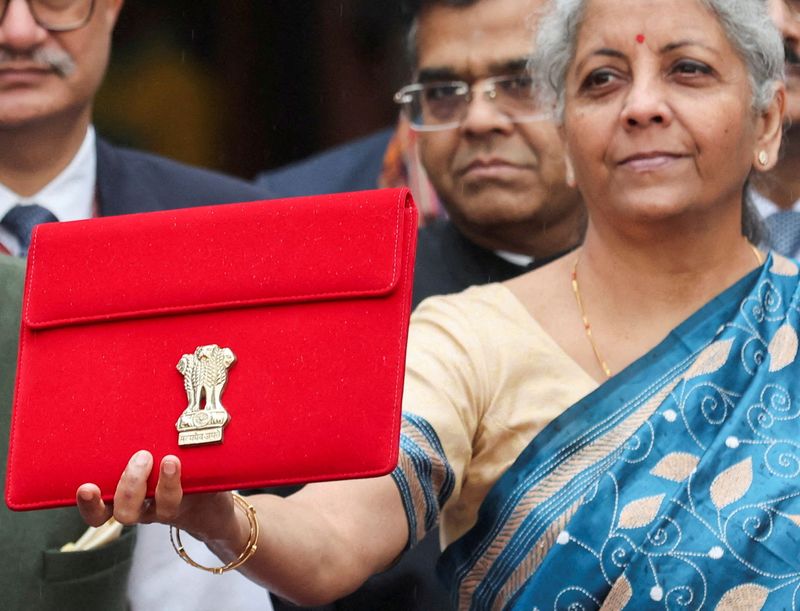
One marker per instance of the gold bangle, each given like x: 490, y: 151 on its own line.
x: 249, y: 550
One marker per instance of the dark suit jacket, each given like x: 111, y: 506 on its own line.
x: 447, y: 262
x: 354, y: 166
x: 34, y: 575
x: 132, y: 181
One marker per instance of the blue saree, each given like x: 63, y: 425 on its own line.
x: 675, y: 485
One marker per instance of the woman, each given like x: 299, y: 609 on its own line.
x: 580, y: 458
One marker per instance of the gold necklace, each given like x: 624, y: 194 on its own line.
x: 587, y: 327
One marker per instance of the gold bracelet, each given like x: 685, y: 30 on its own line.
x: 248, y: 552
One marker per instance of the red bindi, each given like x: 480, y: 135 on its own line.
x: 640, y: 38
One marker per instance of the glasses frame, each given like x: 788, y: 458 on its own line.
x: 486, y: 87
x: 50, y: 28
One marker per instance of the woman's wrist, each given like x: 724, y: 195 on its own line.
x: 225, y: 531
x: 247, y: 551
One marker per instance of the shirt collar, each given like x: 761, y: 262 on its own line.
x: 766, y: 207
x: 515, y: 258
x: 70, y: 195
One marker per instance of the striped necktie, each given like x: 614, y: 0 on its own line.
x: 21, y: 220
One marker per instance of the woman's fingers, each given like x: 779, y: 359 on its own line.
x: 169, y: 493
x: 91, y: 507
x: 131, y: 505
x: 129, y: 499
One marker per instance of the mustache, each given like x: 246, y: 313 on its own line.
x: 57, y: 60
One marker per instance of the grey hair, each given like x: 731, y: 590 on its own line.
x: 746, y: 23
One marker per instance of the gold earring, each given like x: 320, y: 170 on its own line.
x: 763, y: 158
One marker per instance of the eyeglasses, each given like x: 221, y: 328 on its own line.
x: 56, y: 15
x: 444, y: 105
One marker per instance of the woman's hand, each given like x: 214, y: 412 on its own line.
x: 208, y: 516
x: 321, y: 531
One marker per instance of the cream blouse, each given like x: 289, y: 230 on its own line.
x: 488, y: 378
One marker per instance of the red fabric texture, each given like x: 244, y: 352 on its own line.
x: 311, y: 294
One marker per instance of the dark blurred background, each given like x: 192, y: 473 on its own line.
x: 243, y: 86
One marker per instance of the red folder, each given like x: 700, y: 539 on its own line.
x: 311, y: 296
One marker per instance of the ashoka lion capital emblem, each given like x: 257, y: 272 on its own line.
x: 205, y: 373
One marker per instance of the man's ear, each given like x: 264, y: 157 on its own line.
x: 770, y: 131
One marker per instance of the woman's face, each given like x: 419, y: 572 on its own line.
x: 658, y: 119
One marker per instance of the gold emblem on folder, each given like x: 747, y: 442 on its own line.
x: 205, y: 373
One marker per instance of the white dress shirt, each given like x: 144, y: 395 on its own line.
x: 514, y: 257
x: 766, y: 207
x: 161, y: 581
x: 70, y: 195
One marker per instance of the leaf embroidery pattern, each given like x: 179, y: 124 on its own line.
x: 711, y: 359
x: 676, y: 467
x: 640, y: 512
x: 619, y: 596
x: 747, y: 596
x: 732, y: 484
x: 782, y: 348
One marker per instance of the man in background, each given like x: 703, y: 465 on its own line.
x: 777, y: 194
x: 496, y: 162
x: 53, y: 166
x: 499, y: 178
x: 488, y: 145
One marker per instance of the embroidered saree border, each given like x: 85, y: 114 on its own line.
x: 423, y: 476
x: 524, y: 514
